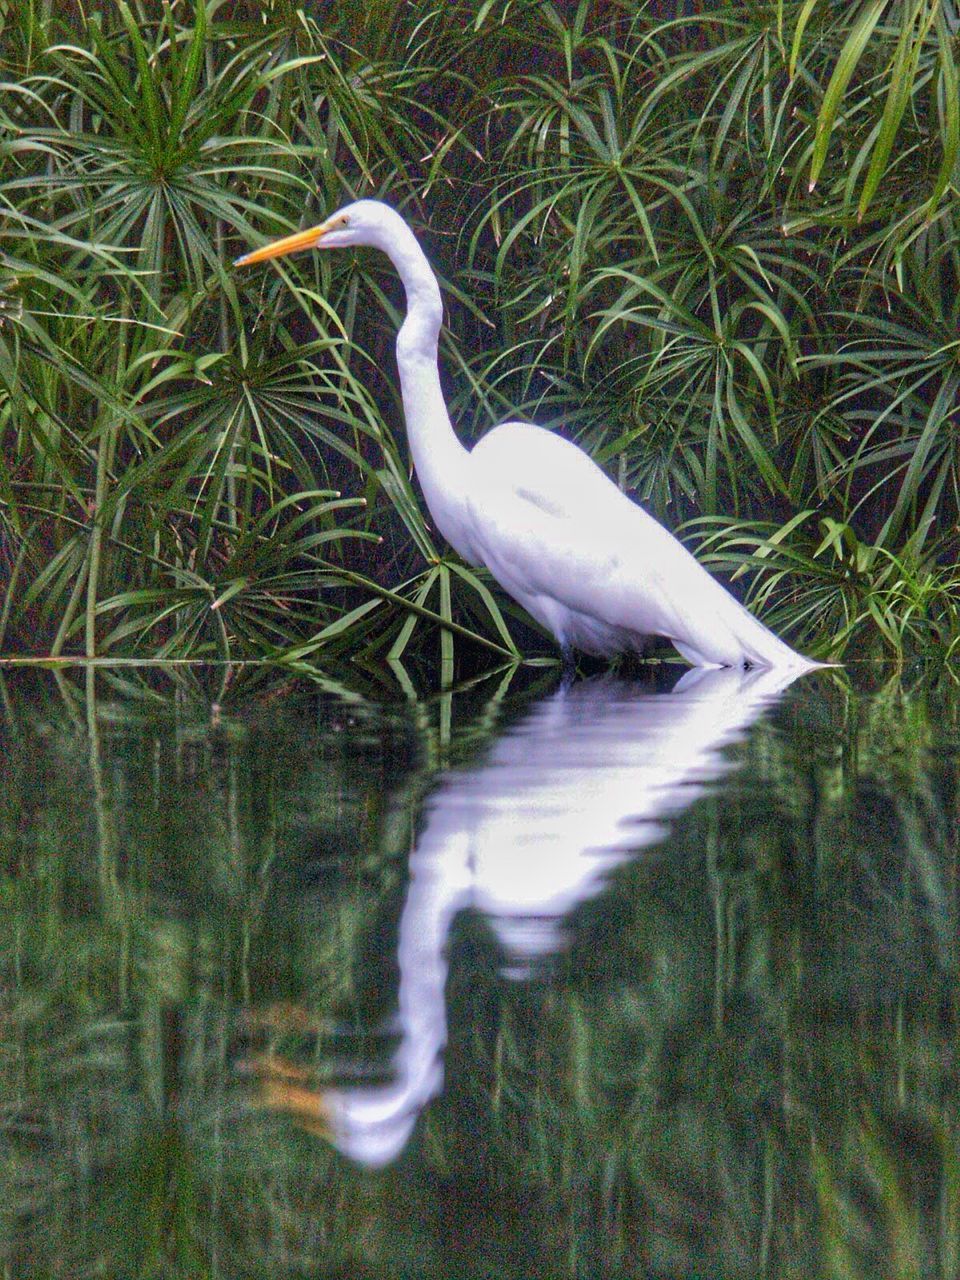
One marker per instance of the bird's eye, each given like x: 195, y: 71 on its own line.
x: 345, y: 219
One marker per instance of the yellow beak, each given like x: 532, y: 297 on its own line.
x: 289, y: 244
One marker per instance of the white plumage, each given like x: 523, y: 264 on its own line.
x: 591, y: 566
x: 583, y: 783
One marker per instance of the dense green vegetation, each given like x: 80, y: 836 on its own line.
x: 715, y: 242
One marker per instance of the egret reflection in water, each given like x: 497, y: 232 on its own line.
x: 587, y: 779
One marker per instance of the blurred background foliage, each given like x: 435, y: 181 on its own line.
x: 745, y: 1066
x: 717, y: 243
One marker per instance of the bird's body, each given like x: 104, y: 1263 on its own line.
x: 586, y: 562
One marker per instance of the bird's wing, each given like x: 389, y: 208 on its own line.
x: 553, y: 527
x: 545, y: 469
x: 552, y: 524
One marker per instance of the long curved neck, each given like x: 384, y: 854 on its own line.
x: 438, y: 456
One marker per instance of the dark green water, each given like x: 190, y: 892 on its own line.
x: 621, y: 981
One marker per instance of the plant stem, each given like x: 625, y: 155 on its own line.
x: 11, y: 590
x: 66, y: 622
x: 106, y: 449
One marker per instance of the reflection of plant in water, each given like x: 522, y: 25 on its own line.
x: 694, y: 1105
x: 127, y: 948
x: 745, y: 1066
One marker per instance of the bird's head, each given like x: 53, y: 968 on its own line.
x: 365, y: 222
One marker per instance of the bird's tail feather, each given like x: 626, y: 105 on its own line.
x: 725, y: 633
x: 734, y: 638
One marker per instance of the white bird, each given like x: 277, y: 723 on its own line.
x: 589, y: 564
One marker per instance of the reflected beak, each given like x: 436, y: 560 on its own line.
x: 289, y: 244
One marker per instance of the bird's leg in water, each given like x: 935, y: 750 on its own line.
x: 569, y: 670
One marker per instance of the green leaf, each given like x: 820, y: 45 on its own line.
x: 186, y: 86
x: 846, y: 64
x: 399, y: 645
x: 948, y: 101
x: 803, y: 18
x: 470, y: 577
x: 902, y: 86
x: 147, y: 88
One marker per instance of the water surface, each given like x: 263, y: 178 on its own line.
x: 651, y: 977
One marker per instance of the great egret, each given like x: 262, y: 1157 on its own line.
x: 557, y: 534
